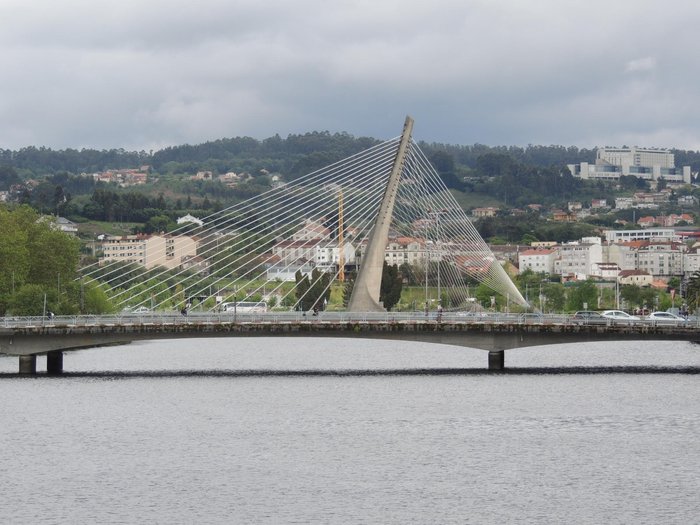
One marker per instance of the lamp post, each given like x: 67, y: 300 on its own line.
x: 235, y: 303
x: 437, y: 243
x: 439, y: 250
x: 427, y: 266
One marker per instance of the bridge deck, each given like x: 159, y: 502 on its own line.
x: 32, y: 336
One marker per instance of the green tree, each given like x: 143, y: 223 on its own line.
x: 484, y: 294
x: 320, y: 291
x: 692, y: 292
x: 159, y: 223
x: 8, y: 177
x: 392, y: 284
x: 302, y: 288
x: 631, y: 294
x: 582, y: 293
x: 53, y: 255
x: 553, y: 297
x: 348, y: 286
x: 14, y: 254
x: 29, y: 300
x: 94, y: 300
x: 34, y: 253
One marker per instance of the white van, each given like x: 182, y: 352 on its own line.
x: 245, y: 307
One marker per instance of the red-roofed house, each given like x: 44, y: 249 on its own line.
x: 647, y: 222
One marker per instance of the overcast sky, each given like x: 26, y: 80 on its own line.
x: 149, y: 73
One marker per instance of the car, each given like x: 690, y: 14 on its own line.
x: 618, y: 316
x: 532, y: 318
x: 470, y: 315
x: 140, y: 310
x: 587, y: 317
x: 666, y: 318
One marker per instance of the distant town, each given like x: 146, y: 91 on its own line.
x: 663, y: 246
x: 633, y: 223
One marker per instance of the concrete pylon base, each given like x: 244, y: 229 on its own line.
x: 54, y: 363
x: 27, y: 364
x: 496, y: 359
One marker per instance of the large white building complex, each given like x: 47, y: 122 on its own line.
x: 644, y: 163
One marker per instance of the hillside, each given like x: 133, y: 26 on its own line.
x: 187, y: 178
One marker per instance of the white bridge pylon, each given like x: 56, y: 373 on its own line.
x: 322, y: 220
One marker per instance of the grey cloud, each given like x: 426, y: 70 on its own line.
x: 147, y: 74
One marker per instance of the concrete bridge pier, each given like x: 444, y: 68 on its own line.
x: 54, y: 362
x: 27, y: 365
x: 496, y: 359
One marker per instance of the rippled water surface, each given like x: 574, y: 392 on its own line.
x: 209, y: 431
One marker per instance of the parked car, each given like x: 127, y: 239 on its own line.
x: 588, y: 317
x: 532, y: 318
x: 139, y: 310
x: 471, y: 315
x: 618, y: 316
x: 666, y: 318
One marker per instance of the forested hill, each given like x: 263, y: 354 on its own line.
x: 292, y: 156
x: 506, y: 176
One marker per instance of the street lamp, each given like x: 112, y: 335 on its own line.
x: 439, y: 250
x: 427, y: 265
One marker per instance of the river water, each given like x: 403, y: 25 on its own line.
x: 343, y: 431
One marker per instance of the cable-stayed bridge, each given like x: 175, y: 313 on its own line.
x: 290, y: 249
x: 337, y: 219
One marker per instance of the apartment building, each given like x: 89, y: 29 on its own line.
x: 538, y: 260
x: 327, y: 254
x: 149, y: 250
x: 291, y: 251
x: 578, y: 257
x: 661, y: 259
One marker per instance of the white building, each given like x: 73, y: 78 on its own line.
x: 538, y: 260
x: 636, y: 277
x: 661, y: 259
x: 624, y: 203
x: 687, y: 201
x: 643, y: 163
x: 328, y: 254
x: 409, y: 250
x: 648, y: 234
x: 578, y: 258
x: 605, y: 270
x: 66, y: 226
x: 691, y: 261
x: 291, y: 251
x: 311, y: 230
x: 624, y: 254
x: 657, y: 258
x: 190, y: 218
x: 287, y: 273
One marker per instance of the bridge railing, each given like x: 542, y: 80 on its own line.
x: 175, y: 318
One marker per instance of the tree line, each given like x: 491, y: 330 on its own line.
x: 295, y: 155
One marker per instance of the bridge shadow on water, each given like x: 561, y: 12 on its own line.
x: 399, y: 372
